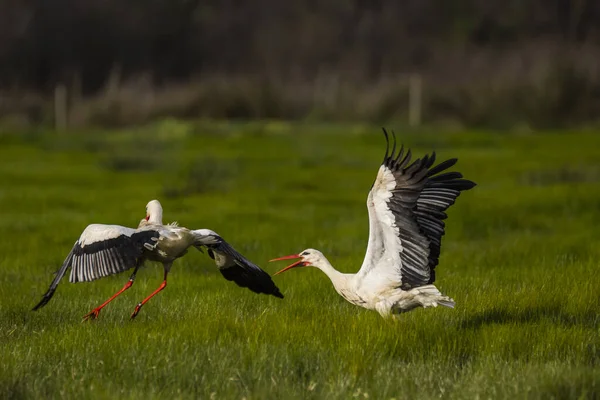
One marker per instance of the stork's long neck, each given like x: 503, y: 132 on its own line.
x: 338, y: 279
x: 156, y: 217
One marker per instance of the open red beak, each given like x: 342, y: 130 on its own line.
x: 299, y: 263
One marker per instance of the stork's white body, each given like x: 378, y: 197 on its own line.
x: 406, y: 211
x: 378, y: 291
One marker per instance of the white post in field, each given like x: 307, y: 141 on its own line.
x: 415, y: 98
x: 60, y: 107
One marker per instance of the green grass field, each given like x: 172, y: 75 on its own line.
x: 520, y: 258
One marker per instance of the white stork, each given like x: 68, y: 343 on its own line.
x: 104, y: 250
x: 407, y: 205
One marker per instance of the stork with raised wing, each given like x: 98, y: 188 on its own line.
x: 104, y: 250
x: 407, y: 207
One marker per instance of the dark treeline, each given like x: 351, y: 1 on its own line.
x: 482, y: 62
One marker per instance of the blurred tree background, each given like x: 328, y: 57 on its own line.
x: 483, y: 63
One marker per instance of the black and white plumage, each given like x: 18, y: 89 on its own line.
x: 407, y: 207
x: 104, y: 250
x: 235, y: 267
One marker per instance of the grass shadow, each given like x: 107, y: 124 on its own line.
x: 504, y: 316
x: 17, y: 389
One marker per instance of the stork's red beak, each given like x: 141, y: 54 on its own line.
x: 299, y: 263
x: 147, y: 217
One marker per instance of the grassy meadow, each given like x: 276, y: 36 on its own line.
x: 520, y: 258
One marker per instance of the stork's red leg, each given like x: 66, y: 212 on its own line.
x: 160, y: 288
x: 94, y: 313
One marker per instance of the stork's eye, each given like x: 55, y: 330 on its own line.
x: 305, y: 253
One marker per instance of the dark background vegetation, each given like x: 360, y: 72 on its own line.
x: 488, y: 63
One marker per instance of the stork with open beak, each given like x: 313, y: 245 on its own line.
x: 407, y: 207
x: 104, y: 250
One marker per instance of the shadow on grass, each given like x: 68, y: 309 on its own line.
x: 17, y: 389
x: 554, y: 313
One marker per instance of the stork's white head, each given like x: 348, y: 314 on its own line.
x: 308, y: 258
x: 154, y: 212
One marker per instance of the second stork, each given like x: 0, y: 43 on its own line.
x: 104, y: 250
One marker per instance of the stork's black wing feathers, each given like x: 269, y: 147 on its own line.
x: 110, y: 256
x: 106, y: 250
x: 239, y: 269
x: 444, y: 165
x: 59, y: 275
x: 421, y: 196
x: 245, y: 278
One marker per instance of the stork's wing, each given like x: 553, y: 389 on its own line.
x: 102, y: 250
x: 407, y: 205
x: 235, y: 267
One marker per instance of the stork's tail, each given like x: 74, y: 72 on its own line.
x: 446, y: 303
x: 59, y: 275
x: 430, y: 296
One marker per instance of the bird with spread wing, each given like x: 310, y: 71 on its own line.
x: 104, y: 250
x: 407, y: 207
